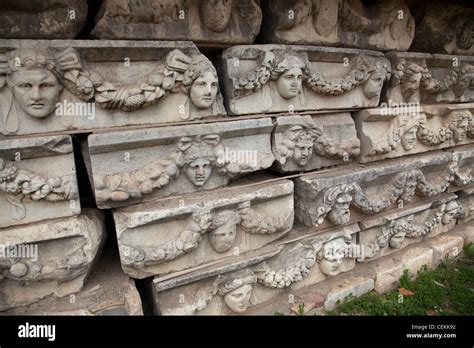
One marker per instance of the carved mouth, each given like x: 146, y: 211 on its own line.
x: 37, y: 105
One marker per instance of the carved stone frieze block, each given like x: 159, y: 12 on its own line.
x: 466, y: 200
x: 51, y: 86
x: 145, y: 164
x: 205, y: 22
x: 309, y: 142
x: 173, y: 234
x: 51, y: 257
x: 388, y: 132
x: 279, y: 78
x: 378, y: 25
x: 37, y: 180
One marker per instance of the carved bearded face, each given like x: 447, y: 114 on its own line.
x: 411, y: 83
x: 340, y: 212
x: 36, y: 91
x: 462, y: 126
x: 198, y: 171
x: 396, y: 241
x: 216, y: 14
x: 409, y: 138
x: 303, y: 152
x: 204, y: 90
x: 373, y: 86
x: 238, y: 300
x: 290, y: 82
x: 223, y: 237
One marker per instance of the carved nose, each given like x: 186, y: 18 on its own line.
x: 35, y: 93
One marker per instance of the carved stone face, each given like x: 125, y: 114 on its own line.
x: 332, y: 257
x: 460, y: 132
x: 198, y: 171
x: 450, y: 213
x: 289, y: 83
x: 374, y: 84
x: 35, y: 91
x: 396, y: 241
x: 411, y: 84
x: 238, y: 300
x: 409, y: 138
x: 223, y: 237
x: 204, y: 90
x: 216, y: 14
x: 340, y: 212
x: 303, y: 152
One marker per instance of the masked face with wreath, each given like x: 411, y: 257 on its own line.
x: 236, y: 290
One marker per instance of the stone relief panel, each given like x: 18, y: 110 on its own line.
x: 466, y: 200
x: 224, y: 290
x: 83, y: 85
x: 444, y: 28
x: 430, y: 78
x: 350, y: 193
x: 386, y: 132
x: 47, y: 19
x: 309, y: 142
x: 204, y: 22
x: 174, y: 234
x: 31, y: 191
x: 279, y: 78
x: 393, y: 231
x: 31, y: 267
x: 380, y: 25
x: 143, y: 165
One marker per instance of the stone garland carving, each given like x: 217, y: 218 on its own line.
x: 221, y: 228
x: 408, y: 128
x: 37, y: 77
x: 300, y: 141
x: 411, y: 77
x: 395, y: 231
x: 19, y: 183
x: 235, y: 289
x: 195, y: 156
x: 338, y: 199
x: 277, y: 65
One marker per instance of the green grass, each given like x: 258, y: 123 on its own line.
x: 446, y: 290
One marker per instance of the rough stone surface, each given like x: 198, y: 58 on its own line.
x: 379, y: 25
x: 41, y: 271
x: 309, y: 142
x: 285, y: 78
x: 31, y: 191
x: 103, y: 84
x: 386, y: 132
x: 444, y: 28
x: 46, y: 19
x: 204, y: 22
x: 446, y: 246
x: 354, y: 286
x: 429, y: 78
x: 348, y: 193
x: 143, y: 165
x: 174, y: 234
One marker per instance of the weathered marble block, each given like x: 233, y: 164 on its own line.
x: 466, y: 200
x: 231, y: 287
x: 429, y: 79
x: 51, y: 86
x: 205, y: 22
x: 308, y: 142
x: 37, y: 180
x: 143, y: 165
x: 46, y: 19
x: 443, y: 28
x: 51, y: 257
x: 349, y: 193
x: 387, y: 132
x: 380, y: 25
x: 179, y: 233
x: 279, y: 78
x: 389, y: 232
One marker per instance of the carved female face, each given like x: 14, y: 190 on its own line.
x: 216, y: 14
x: 303, y: 152
x: 340, y: 212
x: 373, y: 86
x: 204, y: 90
x: 331, y: 261
x: 36, y: 91
x: 289, y: 83
x: 223, y: 237
x: 238, y: 300
x: 198, y: 171
x: 396, y: 241
x: 450, y: 213
x: 409, y: 138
